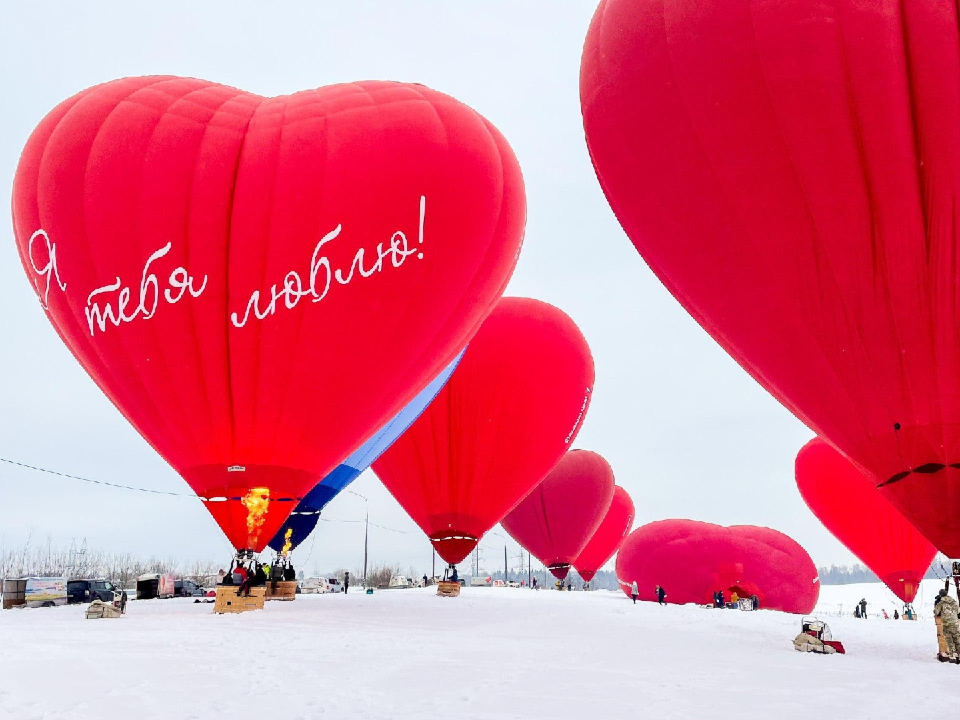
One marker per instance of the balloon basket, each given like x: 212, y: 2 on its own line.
x: 229, y: 602
x: 448, y: 588
x: 285, y: 590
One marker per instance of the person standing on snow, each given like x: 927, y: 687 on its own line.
x: 661, y: 595
x: 947, y: 609
x: 634, y: 591
x: 346, y: 582
x: 863, y: 608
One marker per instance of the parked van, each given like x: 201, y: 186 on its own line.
x: 34, y: 592
x: 154, y: 585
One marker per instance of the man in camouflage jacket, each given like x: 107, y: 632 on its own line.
x: 947, y: 609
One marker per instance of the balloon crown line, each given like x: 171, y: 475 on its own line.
x: 189, y: 496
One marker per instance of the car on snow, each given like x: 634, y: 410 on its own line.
x: 187, y: 588
x: 321, y: 586
x: 82, y: 591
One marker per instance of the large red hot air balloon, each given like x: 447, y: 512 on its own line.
x: 847, y: 503
x: 259, y: 283
x: 606, y: 540
x: 791, y: 172
x: 691, y: 560
x: 509, y: 411
x: 555, y: 521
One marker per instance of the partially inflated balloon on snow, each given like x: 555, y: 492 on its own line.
x: 609, y: 535
x: 789, y: 170
x: 555, y: 521
x: 508, y: 413
x: 691, y: 560
x: 848, y: 504
x: 259, y: 283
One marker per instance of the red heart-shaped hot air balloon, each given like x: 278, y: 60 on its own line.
x: 509, y: 411
x: 789, y: 170
x: 848, y: 504
x: 606, y: 540
x: 691, y: 560
x: 258, y: 283
x: 555, y: 521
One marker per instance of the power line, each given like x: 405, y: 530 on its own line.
x: 171, y: 493
x: 96, y: 482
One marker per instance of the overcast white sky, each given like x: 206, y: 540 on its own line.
x: 688, y: 433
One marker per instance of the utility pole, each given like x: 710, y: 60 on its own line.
x: 529, y: 576
x: 434, y: 566
x: 366, y: 536
x: 505, y: 576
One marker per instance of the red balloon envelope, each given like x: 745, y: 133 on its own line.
x: 507, y: 414
x: 257, y: 283
x: 789, y: 171
x: 555, y: 521
x: 691, y: 560
x: 606, y: 540
x: 847, y: 503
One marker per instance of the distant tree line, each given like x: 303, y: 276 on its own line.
x: 857, y: 573
x: 46, y: 560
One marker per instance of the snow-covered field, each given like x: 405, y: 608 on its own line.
x: 493, y: 653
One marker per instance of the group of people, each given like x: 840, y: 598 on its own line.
x: 660, y: 592
x: 246, y: 573
x: 720, y: 600
x: 860, y: 611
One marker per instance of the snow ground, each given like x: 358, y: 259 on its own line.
x: 493, y: 653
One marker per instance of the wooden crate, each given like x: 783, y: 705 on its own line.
x: 447, y: 588
x: 228, y: 601
x: 286, y: 590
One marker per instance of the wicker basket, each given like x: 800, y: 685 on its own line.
x: 229, y: 602
x: 286, y: 590
x: 448, y: 588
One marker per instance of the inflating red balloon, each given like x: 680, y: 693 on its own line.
x: 555, y: 521
x: 789, y: 171
x: 258, y: 283
x: 509, y: 411
x: 691, y: 560
x: 606, y: 540
x: 847, y: 503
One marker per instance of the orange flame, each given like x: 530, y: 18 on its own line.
x: 287, y: 542
x: 256, y: 502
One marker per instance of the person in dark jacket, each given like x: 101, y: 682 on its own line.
x: 720, y: 598
x: 259, y: 576
x: 661, y: 595
x: 289, y: 573
x: 346, y: 582
x: 863, y: 608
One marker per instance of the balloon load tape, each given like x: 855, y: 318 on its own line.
x: 925, y: 469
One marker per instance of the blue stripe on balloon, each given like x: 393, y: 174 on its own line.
x: 307, y: 513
